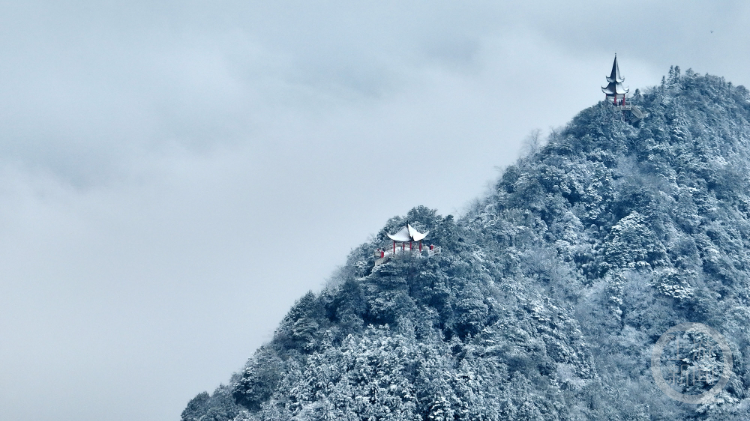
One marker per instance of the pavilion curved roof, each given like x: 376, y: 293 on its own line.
x: 614, y: 76
x: 408, y: 233
x: 615, y: 88
x: 614, y: 80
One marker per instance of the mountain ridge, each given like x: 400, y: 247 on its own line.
x: 549, y: 293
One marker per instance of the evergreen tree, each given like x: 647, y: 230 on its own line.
x: 548, y: 295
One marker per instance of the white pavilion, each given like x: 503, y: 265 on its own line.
x: 409, y: 234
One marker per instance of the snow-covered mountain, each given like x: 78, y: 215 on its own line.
x: 549, y: 295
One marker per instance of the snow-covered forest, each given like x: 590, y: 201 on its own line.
x: 549, y: 294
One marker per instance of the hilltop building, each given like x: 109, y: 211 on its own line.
x: 409, y: 234
x: 404, y: 235
x: 614, y: 91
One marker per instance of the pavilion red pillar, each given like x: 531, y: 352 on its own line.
x: 409, y: 246
x: 420, y: 246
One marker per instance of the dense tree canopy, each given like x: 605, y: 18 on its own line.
x: 549, y: 294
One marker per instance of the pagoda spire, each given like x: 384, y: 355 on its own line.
x: 614, y: 91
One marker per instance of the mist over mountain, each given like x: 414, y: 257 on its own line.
x: 548, y: 295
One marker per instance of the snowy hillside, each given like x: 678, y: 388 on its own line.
x: 549, y: 295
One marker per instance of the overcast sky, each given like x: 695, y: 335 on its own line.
x: 174, y: 174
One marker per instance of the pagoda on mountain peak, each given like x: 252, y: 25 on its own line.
x: 614, y: 91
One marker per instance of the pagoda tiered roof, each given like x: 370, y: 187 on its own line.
x: 615, y: 88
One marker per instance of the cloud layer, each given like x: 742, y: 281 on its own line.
x: 173, y: 175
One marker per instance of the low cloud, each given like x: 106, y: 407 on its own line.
x: 175, y: 175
